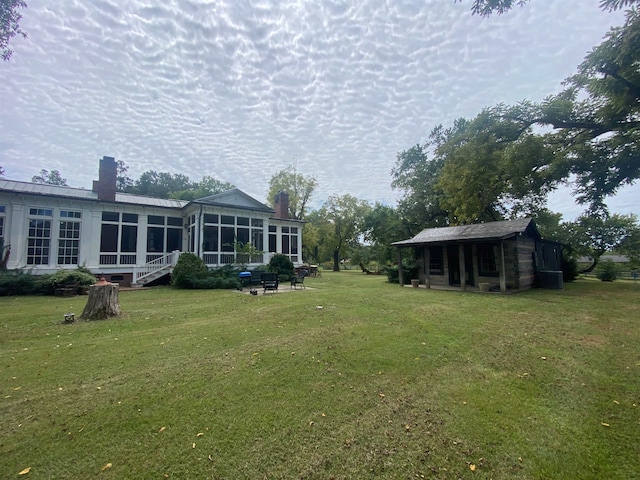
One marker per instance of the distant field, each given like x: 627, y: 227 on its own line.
x: 381, y: 382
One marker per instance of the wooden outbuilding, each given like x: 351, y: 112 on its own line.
x: 495, y: 256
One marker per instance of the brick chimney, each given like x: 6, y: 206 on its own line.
x: 105, y: 186
x: 281, y: 205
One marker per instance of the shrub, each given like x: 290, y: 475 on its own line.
x: 569, y: 269
x: 409, y: 271
x: 189, y: 269
x: 282, y: 265
x: 16, y: 282
x: 77, y: 279
x: 191, y: 272
x: 607, y: 271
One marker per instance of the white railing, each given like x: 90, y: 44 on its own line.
x: 166, y: 262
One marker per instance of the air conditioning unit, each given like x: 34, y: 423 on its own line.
x: 550, y: 279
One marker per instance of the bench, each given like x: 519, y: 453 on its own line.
x: 270, y: 281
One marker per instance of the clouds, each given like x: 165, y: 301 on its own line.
x: 239, y: 90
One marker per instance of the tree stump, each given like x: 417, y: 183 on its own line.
x: 103, y: 301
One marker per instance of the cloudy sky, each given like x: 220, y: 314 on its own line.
x: 241, y: 89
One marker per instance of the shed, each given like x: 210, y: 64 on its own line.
x: 507, y: 255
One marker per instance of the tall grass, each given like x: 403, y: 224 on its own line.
x: 381, y: 382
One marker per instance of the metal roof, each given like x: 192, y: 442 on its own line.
x: 82, y: 194
x: 480, y: 231
x: 235, y: 199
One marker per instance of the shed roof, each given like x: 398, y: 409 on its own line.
x: 480, y: 231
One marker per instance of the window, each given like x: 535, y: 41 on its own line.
x: 487, y: 255
x: 243, y: 221
x: 109, y: 238
x: 2, y: 210
x: 68, y: 242
x: 155, y: 220
x: 174, y: 221
x: 436, y: 261
x: 228, y: 220
x: 41, y: 212
x: 119, y: 233
x: 129, y: 238
x: 174, y: 239
x: 243, y: 235
x: 210, y: 218
x: 38, y: 241
x: 210, y: 242
x: 228, y: 237
x: 273, y: 239
x: 155, y: 239
x: 70, y: 214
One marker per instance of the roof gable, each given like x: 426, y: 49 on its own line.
x: 235, y: 199
x: 480, y: 231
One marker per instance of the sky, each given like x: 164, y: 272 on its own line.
x: 240, y: 90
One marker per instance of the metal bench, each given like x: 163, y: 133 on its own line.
x: 270, y: 281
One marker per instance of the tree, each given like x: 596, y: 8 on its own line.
x: 123, y: 181
x: 417, y: 175
x: 344, y: 215
x: 299, y: 188
x: 381, y: 227
x: 160, y: 184
x: 178, y: 186
x: 492, y: 170
x: 630, y: 247
x: 499, y: 164
x: 10, y: 25
x: 485, y: 8
x: 206, y: 187
x: 592, y: 236
x: 47, y: 177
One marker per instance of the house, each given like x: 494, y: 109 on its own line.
x: 134, y: 239
x: 504, y: 256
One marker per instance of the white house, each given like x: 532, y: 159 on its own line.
x: 131, y: 239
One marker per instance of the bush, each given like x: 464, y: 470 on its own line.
x: 409, y: 271
x: 282, y: 265
x: 191, y: 272
x: 16, y: 282
x: 569, y: 269
x: 189, y: 269
x: 607, y: 271
x: 77, y: 279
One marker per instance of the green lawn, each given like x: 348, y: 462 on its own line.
x: 381, y: 382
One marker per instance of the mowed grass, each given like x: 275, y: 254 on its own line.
x: 381, y: 382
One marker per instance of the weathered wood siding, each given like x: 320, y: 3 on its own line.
x: 527, y: 274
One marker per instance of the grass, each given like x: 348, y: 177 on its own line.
x: 382, y: 382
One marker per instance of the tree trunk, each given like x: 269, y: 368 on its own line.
x: 103, y: 301
x: 336, y: 260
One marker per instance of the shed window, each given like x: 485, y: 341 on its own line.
x: 436, y: 261
x: 487, y: 255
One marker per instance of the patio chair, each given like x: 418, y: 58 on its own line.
x: 298, y: 279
